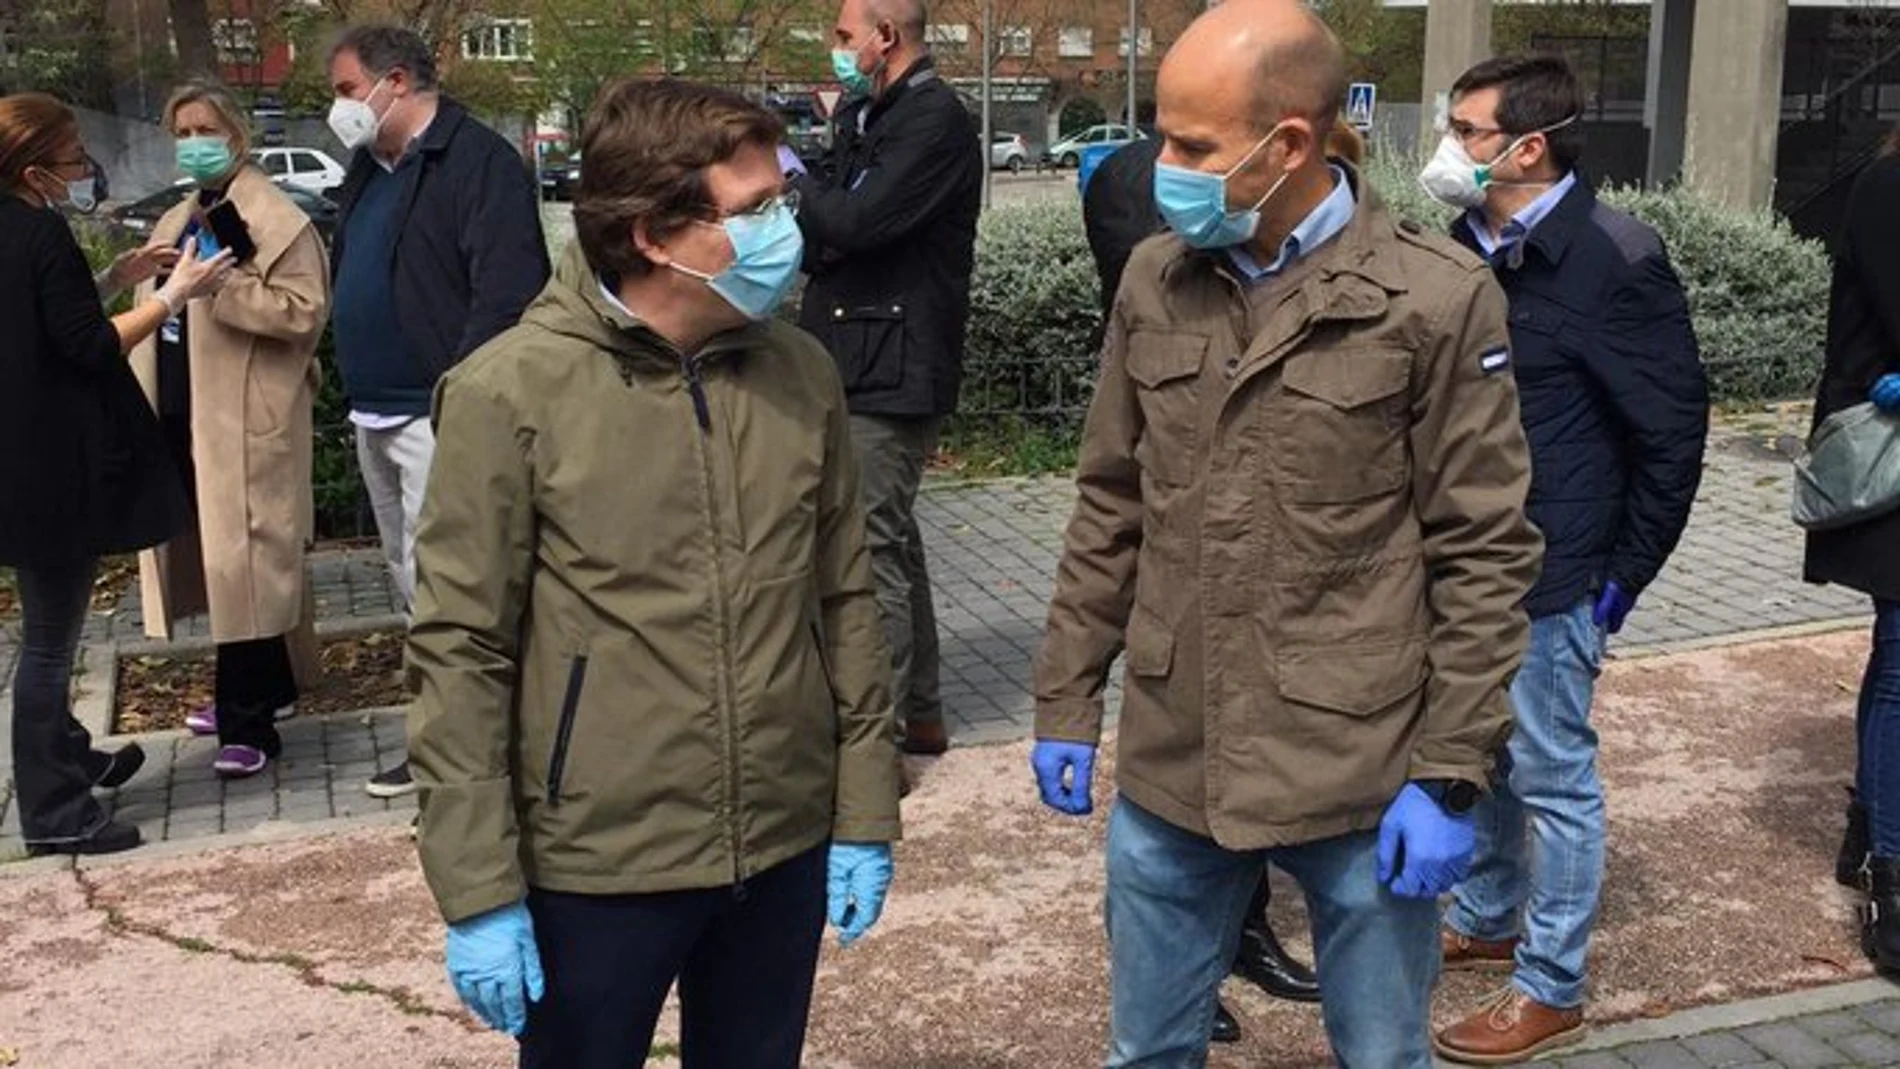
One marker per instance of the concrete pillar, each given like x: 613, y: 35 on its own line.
x: 1734, y: 116
x: 1666, y: 104
x: 1457, y: 38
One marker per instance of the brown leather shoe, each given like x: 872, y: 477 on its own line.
x: 1461, y: 953
x: 926, y: 738
x: 1510, y: 1028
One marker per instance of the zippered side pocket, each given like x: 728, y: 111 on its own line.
x: 564, y: 731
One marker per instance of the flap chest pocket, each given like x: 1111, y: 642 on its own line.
x: 1156, y: 359
x: 1166, y: 370
x: 1350, y: 379
x: 1538, y: 317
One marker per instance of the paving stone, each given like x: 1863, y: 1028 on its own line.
x: 1665, y: 1054
x: 1721, y: 1049
x: 1869, y: 1048
x: 1790, y: 1046
x: 1829, y: 1025
x: 1883, y: 1016
x: 1599, y: 1059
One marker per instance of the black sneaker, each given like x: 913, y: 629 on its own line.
x: 113, y: 770
x: 391, y: 783
x: 111, y: 838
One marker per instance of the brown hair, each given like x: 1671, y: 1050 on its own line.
x: 1345, y: 142
x: 32, y: 127
x: 1891, y: 146
x: 644, y: 153
x: 225, y: 106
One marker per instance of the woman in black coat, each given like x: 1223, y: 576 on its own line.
x: 1863, y: 364
x: 83, y: 467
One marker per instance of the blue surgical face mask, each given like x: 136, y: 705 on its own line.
x: 767, y: 249
x: 1194, y: 203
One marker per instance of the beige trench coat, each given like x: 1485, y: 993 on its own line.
x: 253, y: 382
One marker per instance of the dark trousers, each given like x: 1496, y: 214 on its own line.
x: 891, y: 454
x: 254, y: 681
x: 49, y: 746
x: 744, y: 958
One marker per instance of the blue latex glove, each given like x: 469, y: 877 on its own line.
x: 496, y: 967
x: 856, y: 877
x: 1886, y: 392
x: 1423, y: 850
x: 1050, y: 760
x: 788, y: 161
x: 1613, y: 607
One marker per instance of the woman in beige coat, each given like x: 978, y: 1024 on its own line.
x: 233, y: 378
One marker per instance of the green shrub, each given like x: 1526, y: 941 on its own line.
x: 334, y: 475
x: 1035, y: 314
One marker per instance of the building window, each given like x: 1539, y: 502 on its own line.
x: 235, y: 40
x: 1147, y: 42
x: 953, y: 39
x: 1017, y: 41
x: 1076, y: 42
x: 502, y: 40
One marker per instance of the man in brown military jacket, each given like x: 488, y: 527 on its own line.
x: 1301, y: 510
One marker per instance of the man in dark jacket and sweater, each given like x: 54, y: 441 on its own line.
x: 438, y: 249
x: 890, y: 230
x: 1615, y: 405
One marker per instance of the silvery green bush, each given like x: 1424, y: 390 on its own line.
x: 1035, y: 318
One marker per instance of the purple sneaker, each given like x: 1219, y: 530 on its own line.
x: 237, y: 762
x: 204, y: 721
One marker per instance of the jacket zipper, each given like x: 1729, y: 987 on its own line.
x: 703, y: 415
x: 564, y: 730
x: 697, y: 387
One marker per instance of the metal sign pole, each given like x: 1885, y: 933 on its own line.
x: 989, y: 60
x: 1134, y: 49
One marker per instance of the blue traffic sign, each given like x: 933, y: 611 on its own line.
x: 1361, y: 100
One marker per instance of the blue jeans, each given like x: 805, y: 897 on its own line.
x: 1877, y: 779
x: 1538, y: 871
x: 1176, y: 902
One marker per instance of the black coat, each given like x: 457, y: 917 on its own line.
x: 890, y: 233
x: 1119, y: 212
x: 1614, y: 398
x: 1863, y: 343
x: 470, y: 255
x: 84, y: 468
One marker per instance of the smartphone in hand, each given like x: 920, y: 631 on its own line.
x: 232, y: 232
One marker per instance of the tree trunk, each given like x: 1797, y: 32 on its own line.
x: 191, y: 30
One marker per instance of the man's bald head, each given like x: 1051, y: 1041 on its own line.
x: 907, y: 17
x: 1272, y: 59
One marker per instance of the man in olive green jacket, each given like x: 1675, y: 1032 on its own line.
x: 1301, y: 512
x: 653, y: 734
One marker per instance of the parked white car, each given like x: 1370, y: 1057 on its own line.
x: 1067, y: 153
x: 306, y: 168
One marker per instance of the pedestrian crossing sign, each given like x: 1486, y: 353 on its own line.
x: 1361, y: 99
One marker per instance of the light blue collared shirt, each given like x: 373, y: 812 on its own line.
x: 1519, y: 227
x: 1320, y: 226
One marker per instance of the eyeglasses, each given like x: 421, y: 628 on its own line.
x: 787, y: 200
x: 53, y: 165
x: 1466, y: 132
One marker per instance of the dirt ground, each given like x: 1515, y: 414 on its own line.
x: 1724, y: 767
x: 156, y: 691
